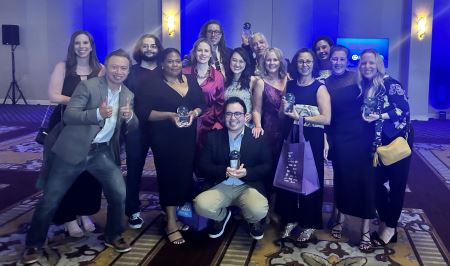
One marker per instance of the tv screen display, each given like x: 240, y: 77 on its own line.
x: 357, y: 45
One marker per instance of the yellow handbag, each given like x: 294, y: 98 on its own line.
x: 395, y: 151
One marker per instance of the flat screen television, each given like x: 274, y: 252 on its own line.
x: 357, y: 45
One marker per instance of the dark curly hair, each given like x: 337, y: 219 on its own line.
x: 293, y: 71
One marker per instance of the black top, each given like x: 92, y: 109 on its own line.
x: 255, y: 155
x: 346, y: 103
x: 70, y: 83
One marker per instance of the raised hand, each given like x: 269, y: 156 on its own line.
x: 126, y: 111
x: 105, y: 110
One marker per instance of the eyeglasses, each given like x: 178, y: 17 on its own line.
x: 235, y: 114
x: 214, y: 32
x: 307, y: 62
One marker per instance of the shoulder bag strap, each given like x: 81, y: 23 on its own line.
x: 45, y: 116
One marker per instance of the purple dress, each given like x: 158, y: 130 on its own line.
x: 272, y: 124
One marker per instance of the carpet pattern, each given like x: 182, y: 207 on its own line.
x: 437, y: 156
x: 418, y: 244
x: 24, y: 154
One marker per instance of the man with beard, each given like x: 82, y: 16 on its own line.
x: 235, y: 180
x: 142, y: 77
x: 322, y: 46
x: 213, y: 32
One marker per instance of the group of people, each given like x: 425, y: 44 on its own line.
x: 194, y: 113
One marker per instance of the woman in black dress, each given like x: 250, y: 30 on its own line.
x: 172, y: 141
x: 386, y: 108
x: 84, y: 196
x: 312, y: 102
x: 350, y: 146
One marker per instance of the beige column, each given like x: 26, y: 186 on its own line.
x: 419, y: 59
x: 171, y: 15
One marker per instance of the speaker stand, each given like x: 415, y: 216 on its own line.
x: 14, y: 87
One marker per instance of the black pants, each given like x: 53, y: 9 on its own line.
x: 136, y: 147
x: 83, y: 198
x: 389, y: 203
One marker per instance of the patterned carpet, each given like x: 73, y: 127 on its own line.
x: 24, y: 154
x: 419, y: 243
x: 437, y: 156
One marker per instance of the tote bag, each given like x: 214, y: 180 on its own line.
x: 296, y: 170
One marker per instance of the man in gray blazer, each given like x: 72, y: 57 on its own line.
x: 89, y: 142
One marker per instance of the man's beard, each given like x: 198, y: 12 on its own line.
x: 152, y: 58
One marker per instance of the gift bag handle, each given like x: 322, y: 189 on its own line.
x: 301, y: 136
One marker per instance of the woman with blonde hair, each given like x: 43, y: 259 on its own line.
x: 386, y: 108
x: 267, y: 103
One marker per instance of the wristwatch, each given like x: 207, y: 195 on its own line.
x: 380, y: 116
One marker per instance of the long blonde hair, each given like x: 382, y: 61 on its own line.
x: 282, y: 71
x: 377, y: 82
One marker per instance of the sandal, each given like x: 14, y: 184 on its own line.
x: 378, y: 242
x: 306, y: 235
x: 366, y: 246
x: 182, y: 226
x: 172, y: 237
x: 335, y: 232
x: 288, y: 229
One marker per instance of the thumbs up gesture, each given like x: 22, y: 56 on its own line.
x: 105, y: 110
x: 125, y: 110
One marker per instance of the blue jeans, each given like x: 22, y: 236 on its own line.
x: 136, y: 147
x: 101, y: 165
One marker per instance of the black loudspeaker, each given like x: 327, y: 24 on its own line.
x: 10, y: 34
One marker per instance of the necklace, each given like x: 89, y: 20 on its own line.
x: 204, y: 76
x: 304, y: 84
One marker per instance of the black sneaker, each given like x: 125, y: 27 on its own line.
x: 135, y: 221
x: 217, y: 228
x: 119, y: 245
x: 257, y: 231
x: 31, y: 255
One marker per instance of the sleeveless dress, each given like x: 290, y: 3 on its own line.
x: 293, y: 207
x: 272, y: 125
x: 242, y: 93
x: 84, y: 196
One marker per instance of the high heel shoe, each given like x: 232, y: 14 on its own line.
x: 73, y: 229
x: 378, y: 242
x: 288, y: 229
x: 336, y: 229
x: 366, y: 246
x: 306, y: 235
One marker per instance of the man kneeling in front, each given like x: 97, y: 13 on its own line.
x: 236, y: 164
